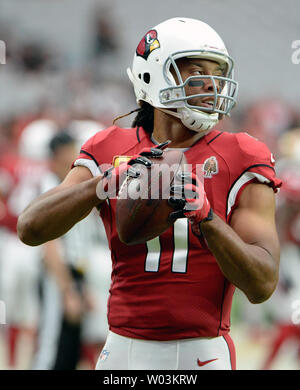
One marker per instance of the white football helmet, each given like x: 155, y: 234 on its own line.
x: 154, y: 83
x: 35, y: 138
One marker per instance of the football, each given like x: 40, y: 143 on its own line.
x: 142, y: 210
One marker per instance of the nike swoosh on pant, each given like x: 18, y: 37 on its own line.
x: 200, y: 363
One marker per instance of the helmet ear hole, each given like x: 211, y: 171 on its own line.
x: 146, y: 77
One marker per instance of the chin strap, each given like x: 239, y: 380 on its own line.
x: 173, y: 113
x: 202, y: 126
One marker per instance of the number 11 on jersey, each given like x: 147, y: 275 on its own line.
x: 180, y: 250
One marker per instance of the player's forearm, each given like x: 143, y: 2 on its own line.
x: 54, y: 213
x: 248, y: 266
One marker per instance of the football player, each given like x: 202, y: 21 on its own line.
x: 170, y: 298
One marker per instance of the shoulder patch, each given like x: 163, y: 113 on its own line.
x: 210, y: 167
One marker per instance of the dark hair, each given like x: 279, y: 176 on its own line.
x: 61, y: 139
x: 145, y: 118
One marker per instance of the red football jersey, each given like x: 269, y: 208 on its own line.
x: 172, y: 287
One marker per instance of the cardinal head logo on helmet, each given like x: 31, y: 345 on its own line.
x: 148, y: 43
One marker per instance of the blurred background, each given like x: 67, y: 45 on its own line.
x: 64, y: 79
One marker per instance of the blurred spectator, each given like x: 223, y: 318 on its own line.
x: 33, y: 57
x: 105, y: 39
x: 69, y: 309
x: 62, y: 278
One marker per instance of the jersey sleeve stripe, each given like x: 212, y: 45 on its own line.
x: 90, y: 155
x: 239, y: 184
x: 90, y: 164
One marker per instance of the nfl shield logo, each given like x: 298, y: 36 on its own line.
x: 104, y: 354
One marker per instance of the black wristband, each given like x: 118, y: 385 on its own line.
x: 197, y: 228
x: 209, y: 217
